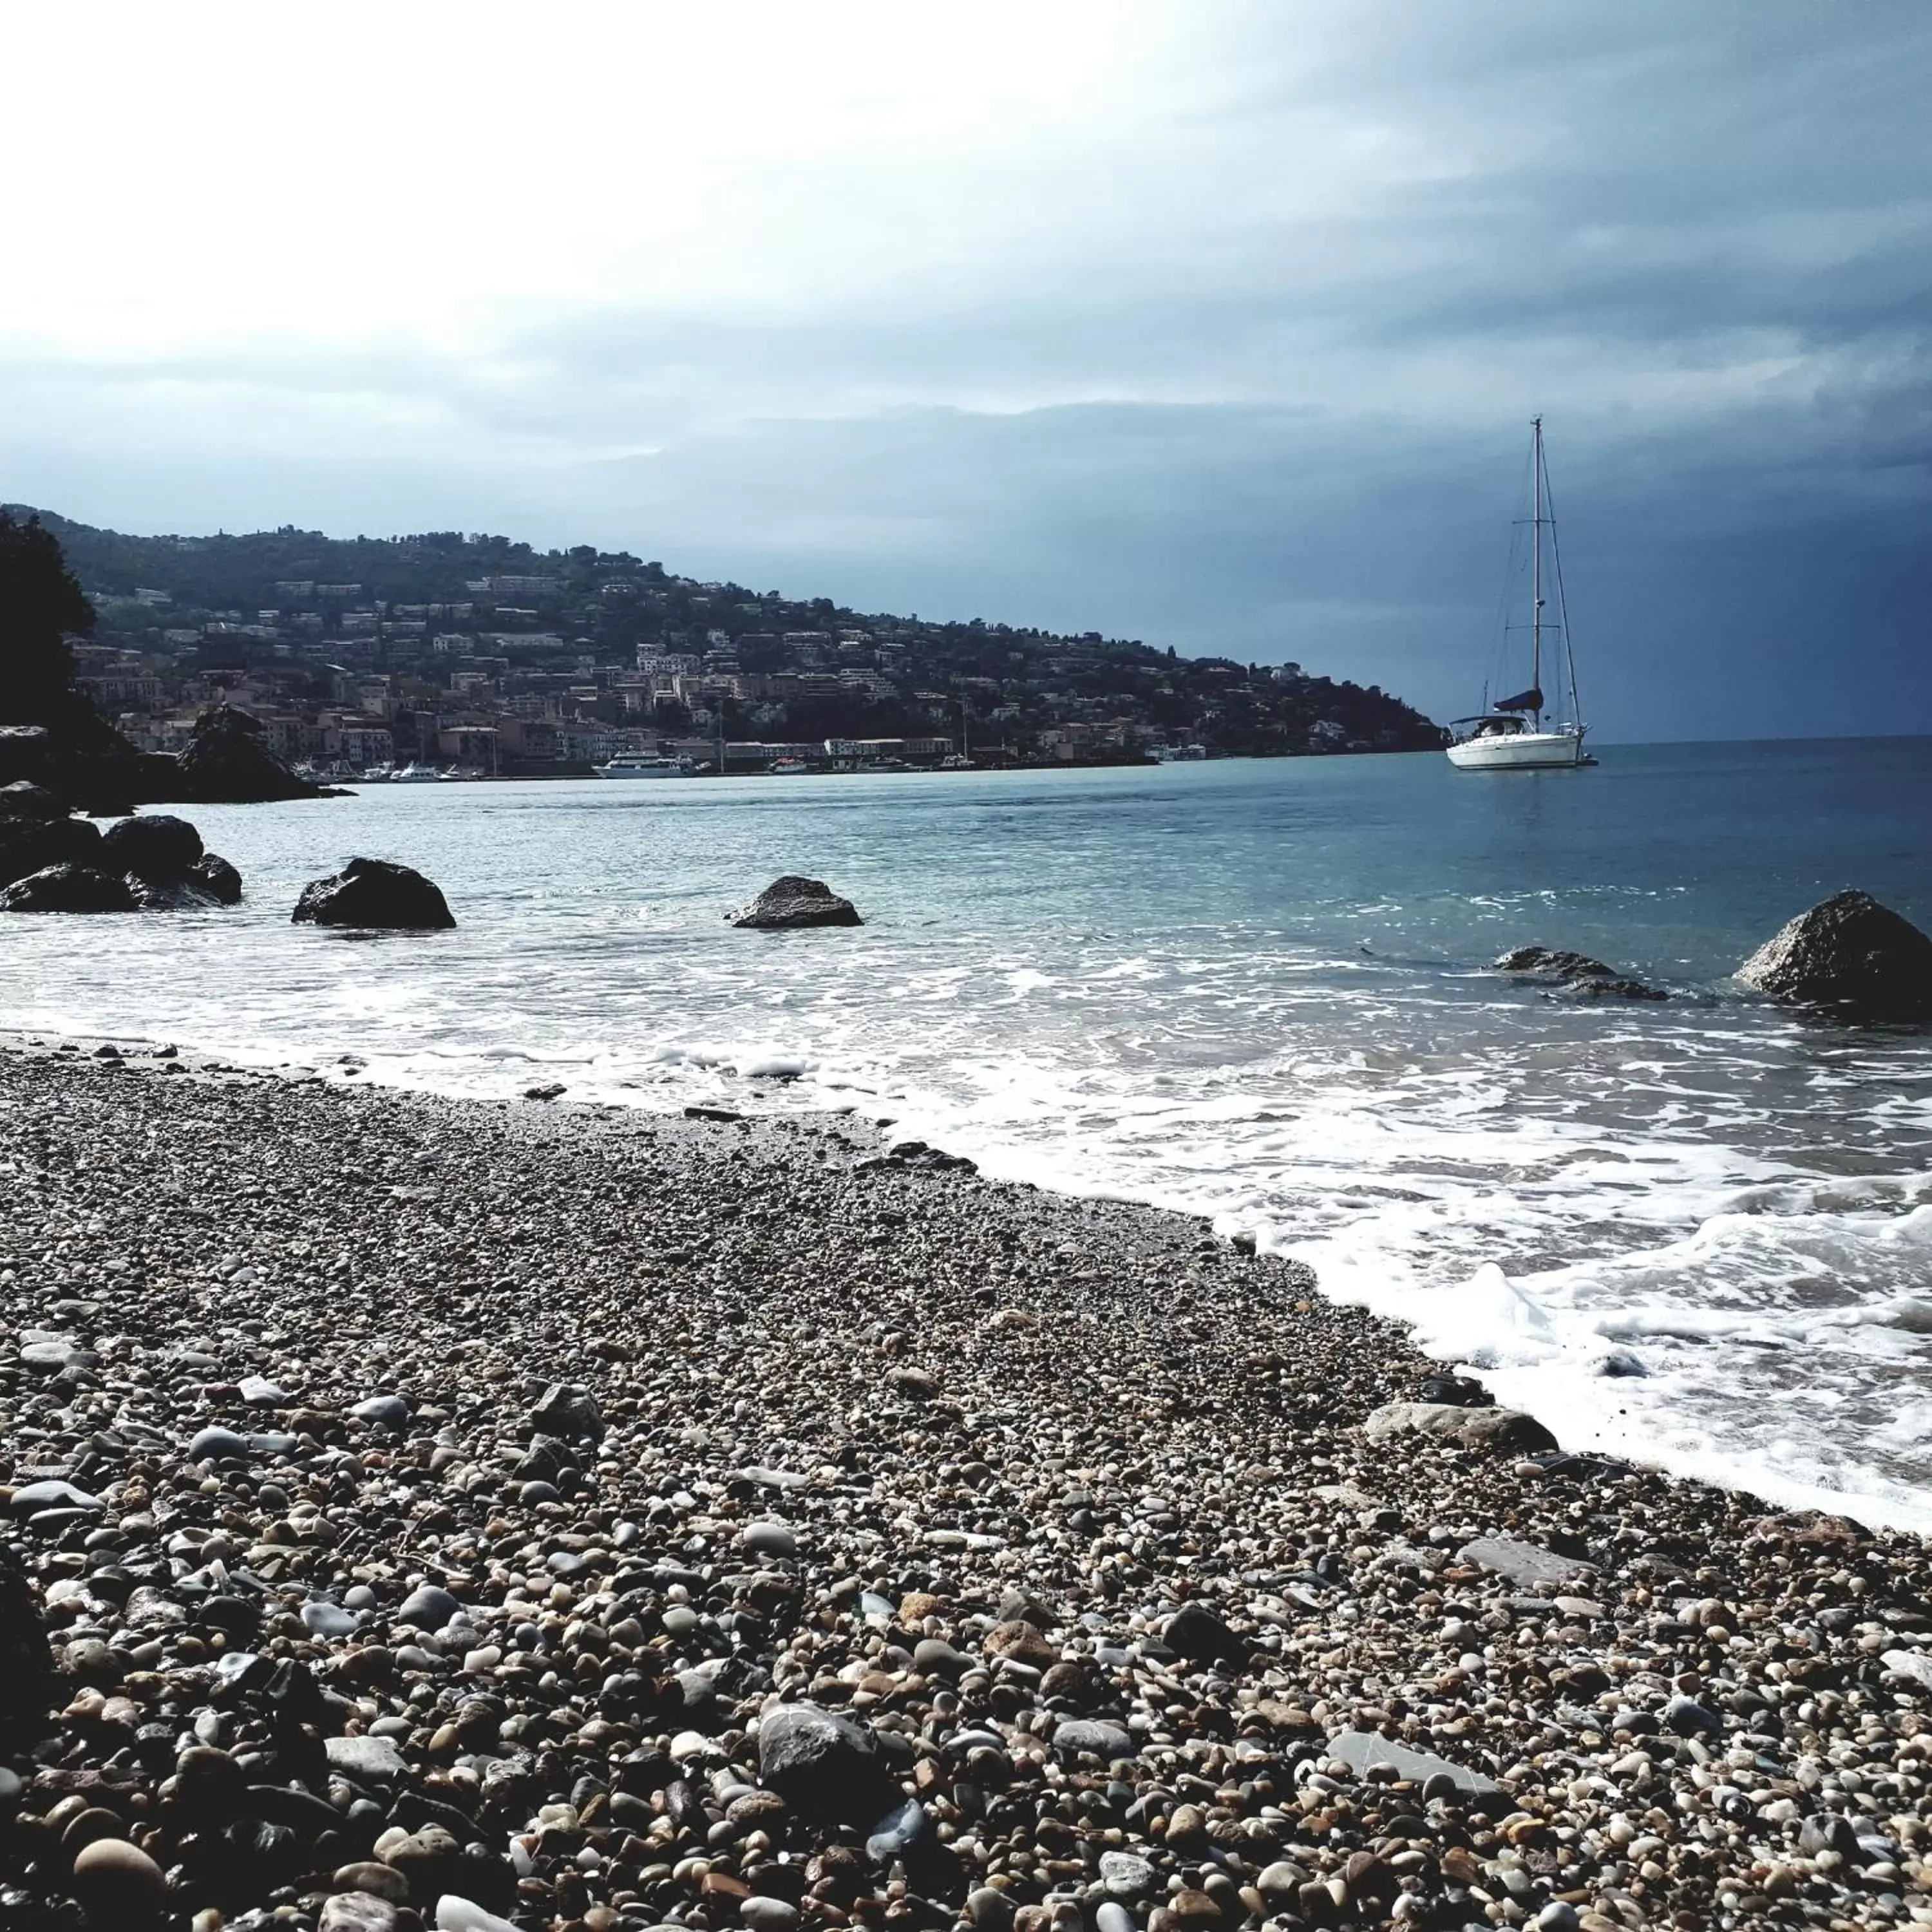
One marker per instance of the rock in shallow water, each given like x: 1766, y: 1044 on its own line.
x: 1575, y: 973
x: 69, y: 888
x: 1849, y: 955
x: 794, y: 901
x: 155, y: 847
x: 374, y: 893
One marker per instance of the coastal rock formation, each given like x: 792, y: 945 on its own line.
x: 69, y: 888
x: 228, y: 762
x: 794, y: 901
x: 1450, y: 1422
x: 1850, y: 955
x: 158, y: 848
x: 30, y: 843
x: 23, y: 799
x: 374, y: 893
x: 166, y: 867
x: 1575, y: 974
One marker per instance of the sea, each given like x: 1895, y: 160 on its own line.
x: 1696, y: 1233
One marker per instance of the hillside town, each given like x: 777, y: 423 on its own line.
x: 448, y: 654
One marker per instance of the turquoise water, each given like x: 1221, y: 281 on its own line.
x: 1253, y: 990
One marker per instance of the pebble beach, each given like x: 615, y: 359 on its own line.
x: 463, y: 1514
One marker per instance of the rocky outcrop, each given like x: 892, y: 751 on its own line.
x: 1574, y: 974
x: 792, y: 901
x: 1450, y: 1422
x: 159, y: 849
x: 28, y: 845
x: 228, y: 762
x: 374, y: 893
x: 23, y: 799
x: 89, y: 765
x: 1850, y: 956
x: 69, y: 888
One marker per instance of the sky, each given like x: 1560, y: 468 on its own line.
x: 1218, y: 324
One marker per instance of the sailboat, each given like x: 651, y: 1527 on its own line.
x: 1511, y: 735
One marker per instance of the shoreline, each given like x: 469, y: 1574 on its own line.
x: 558, y: 1084
x: 966, y: 1462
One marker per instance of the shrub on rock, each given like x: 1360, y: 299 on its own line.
x: 1850, y: 954
x: 374, y: 893
x: 68, y: 888
x: 792, y: 901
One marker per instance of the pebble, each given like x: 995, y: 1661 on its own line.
x: 383, y: 1411
x: 429, y: 1607
x: 114, y: 1877
x: 1117, y: 1616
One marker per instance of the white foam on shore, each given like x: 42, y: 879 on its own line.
x: 1735, y: 1204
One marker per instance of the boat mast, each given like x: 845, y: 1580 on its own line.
x: 1536, y: 593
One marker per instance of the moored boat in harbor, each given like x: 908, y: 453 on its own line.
x: 1510, y: 734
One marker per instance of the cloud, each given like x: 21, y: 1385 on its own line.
x: 1218, y: 325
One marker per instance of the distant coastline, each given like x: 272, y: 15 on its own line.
x: 480, y: 654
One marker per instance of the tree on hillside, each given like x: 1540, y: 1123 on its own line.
x: 41, y: 604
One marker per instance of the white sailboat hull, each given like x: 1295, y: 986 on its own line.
x: 1519, y: 751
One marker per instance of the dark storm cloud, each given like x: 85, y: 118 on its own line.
x: 1260, y: 385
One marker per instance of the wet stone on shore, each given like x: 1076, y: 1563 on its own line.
x: 462, y: 1516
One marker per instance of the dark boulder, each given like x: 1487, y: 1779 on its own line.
x: 213, y: 875
x: 373, y: 893
x: 27, y: 1683
x: 159, y: 849
x: 1554, y: 961
x: 32, y: 844
x: 1196, y: 1634
x: 794, y: 901
x: 23, y: 799
x: 228, y: 762
x: 68, y: 888
x: 1851, y: 955
x: 822, y: 1765
x: 1575, y: 974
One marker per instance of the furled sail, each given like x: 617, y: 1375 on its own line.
x: 1531, y: 700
